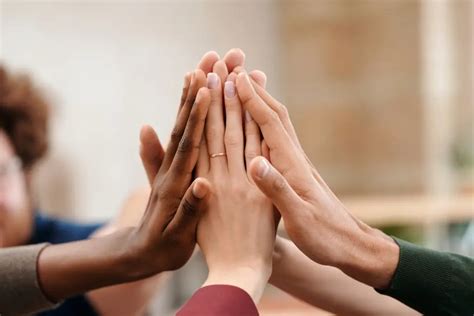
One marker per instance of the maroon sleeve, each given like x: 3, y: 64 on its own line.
x: 223, y: 300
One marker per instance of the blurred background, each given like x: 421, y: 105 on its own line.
x: 381, y: 93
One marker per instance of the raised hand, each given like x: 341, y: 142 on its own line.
x: 237, y: 233
x: 314, y: 218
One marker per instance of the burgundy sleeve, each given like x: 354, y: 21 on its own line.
x: 223, y: 300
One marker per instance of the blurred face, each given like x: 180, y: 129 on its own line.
x: 15, y: 212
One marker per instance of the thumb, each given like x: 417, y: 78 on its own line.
x: 274, y: 186
x: 192, y: 205
x: 151, y: 152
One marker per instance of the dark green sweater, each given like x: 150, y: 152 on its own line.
x: 433, y: 282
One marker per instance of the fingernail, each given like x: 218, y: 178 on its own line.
x: 229, y: 89
x: 199, y: 190
x: 248, y: 117
x: 212, y: 80
x: 263, y: 168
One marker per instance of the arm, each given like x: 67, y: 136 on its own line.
x: 130, y: 298
x: 327, y: 287
x: 237, y: 233
x: 320, y: 225
x: 164, y: 240
x: 424, y: 276
x: 18, y: 278
x: 133, y: 298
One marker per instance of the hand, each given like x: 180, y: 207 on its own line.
x: 166, y: 237
x: 237, y: 234
x: 151, y: 150
x: 314, y: 218
x: 167, y: 232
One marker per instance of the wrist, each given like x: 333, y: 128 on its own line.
x: 251, y: 278
x: 137, y: 260
x: 373, y: 259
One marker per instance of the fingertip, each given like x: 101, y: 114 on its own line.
x: 147, y: 133
x: 200, y: 188
x: 259, y: 168
x: 203, y: 95
x: 212, y: 54
x: 260, y: 77
x: 235, y: 57
x: 232, y: 77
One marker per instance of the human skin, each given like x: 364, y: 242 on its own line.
x: 315, y: 219
x: 293, y: 272
x: 165, y: 238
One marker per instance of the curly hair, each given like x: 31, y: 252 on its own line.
x: 24, y: 116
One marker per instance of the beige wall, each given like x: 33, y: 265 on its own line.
x: 111, y: 67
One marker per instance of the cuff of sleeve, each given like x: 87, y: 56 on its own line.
x: 424, y: 280
x: 20, y: 289
x: 225, y: 300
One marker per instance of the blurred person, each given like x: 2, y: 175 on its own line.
x: 24, y: 122
x: 34, y: 277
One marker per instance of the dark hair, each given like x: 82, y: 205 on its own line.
x: 24, y: 116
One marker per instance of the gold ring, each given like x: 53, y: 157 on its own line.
x: 217, y: 155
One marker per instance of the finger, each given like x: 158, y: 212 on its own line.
x: 207, y: 61
x: 239, y: 69
x: 193, y: 203
x: 285, y: 155
x: 184, y: 93
x: 188, y: 150
x: 253, y: 139
x: 265, y: 150
x: 215, y: 124
x: 259, y: 77
x: 198, y: 80
x: 232, y: 77
x: 234, y: 135
x: 275, y: 187
x: 281, y: 110
x: 234, y: 58
x: 151, y: 152
x: 202, y: 167
x: 221, y: 70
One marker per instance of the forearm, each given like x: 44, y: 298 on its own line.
x: 327, y: 287
x: 369, y: 256
x: 68, y: 269
x: 19, y: 289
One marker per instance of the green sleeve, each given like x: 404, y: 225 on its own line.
x: 433, y: 282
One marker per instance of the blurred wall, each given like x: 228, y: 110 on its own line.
x: 112, y: 66
x: 380, y: 91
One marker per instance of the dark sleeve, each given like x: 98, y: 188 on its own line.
x: 433, y: 282
x: 223, y: 300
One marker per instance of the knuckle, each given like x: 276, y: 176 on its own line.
x: 176, y: 134
x: 189, y: 207
x: 214, y: 132
x: 283, y: 111
x: 279, y: 185
x: 251, y: 154
x: 185, y: 145
x: 232, y: 139
x: 271, y: 119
